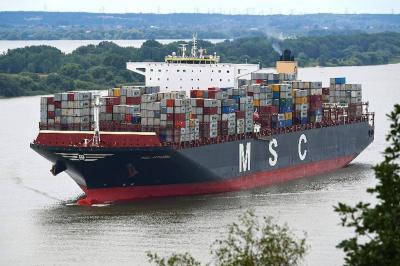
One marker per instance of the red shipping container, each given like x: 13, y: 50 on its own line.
x: 179, y: 117
x: 316, y: 105
x: 207, y: 110
x: 170, y: 102
x: 113, y: 101
x: 51, y: 115
x: 133, y: 100
x: 315, y: 98
x: 50, y: 100
x: 128, y: 118
x: 170, y: 117
x: 109, y: 109
x: 200, y: 102
x: 179, y: 124
x: 57, y: 104
x: 70, y: 96
x: 211, y: 94
x: 213, y: 89
x: 240, y: 114
x: 259, y: 81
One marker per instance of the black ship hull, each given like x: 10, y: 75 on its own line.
x: 109, y: 174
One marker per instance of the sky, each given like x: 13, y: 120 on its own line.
x: 257, y: 7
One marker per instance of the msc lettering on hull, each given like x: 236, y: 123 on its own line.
x: 244, y: 157
x: 245, y: 153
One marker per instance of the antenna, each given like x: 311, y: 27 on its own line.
x: 96, y: 118
x: 183, y: 49
x: 201, y: 51
x: 194, y: 46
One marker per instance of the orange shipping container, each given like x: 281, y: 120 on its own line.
x: 116, y: 92
x: 300, y: 100
x: 288, y: 116
x: 275, y: 87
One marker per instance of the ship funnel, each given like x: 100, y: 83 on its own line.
x: 286, y: 63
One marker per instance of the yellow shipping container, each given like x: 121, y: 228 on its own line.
x: 256, y: 102
x: 301, y: 100
x: 275, y: 87
x: 117, y: 92
x: 288, y: 116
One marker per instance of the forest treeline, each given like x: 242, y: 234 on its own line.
x: 43, y: 69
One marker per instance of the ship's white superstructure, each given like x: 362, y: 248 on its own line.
x: 196, y: 71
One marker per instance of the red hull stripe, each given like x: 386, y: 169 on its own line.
x: 259, y: 179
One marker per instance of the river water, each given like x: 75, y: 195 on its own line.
x: 67, y: 46
x: 39, y: 226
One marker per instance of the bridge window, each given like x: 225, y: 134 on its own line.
x: 184, y: 70
x: 167, y: 78
x: 227, y: 71
x: 219, y: 71
x: 220, y: 79
x: 159, y: 70
x: 177, y: 70
x: 151, y: 70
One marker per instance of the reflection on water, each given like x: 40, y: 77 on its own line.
x: 40, y: 225
x: 192, y: 223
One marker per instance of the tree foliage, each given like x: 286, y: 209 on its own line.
x: 377, y: 228
x: 104, y: 65
x: 174, y: 260
x: 95, y: 26
x: 249, y: 243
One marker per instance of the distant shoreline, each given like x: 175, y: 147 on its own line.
x: 68, y: 46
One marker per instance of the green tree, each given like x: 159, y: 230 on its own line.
x: 377, y: 228
x: 71, y: 70
x: 249, y: 243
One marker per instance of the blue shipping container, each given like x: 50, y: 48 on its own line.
x: 236, y: 98
x: 340, y: 80
x: 136, y: 120
x: 288, y: 123
x: 281, y: 123
x: 227, y: 110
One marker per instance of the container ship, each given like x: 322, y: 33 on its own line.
x: 148, y: 141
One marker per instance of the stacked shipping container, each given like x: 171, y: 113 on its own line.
x: 207, y: 114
